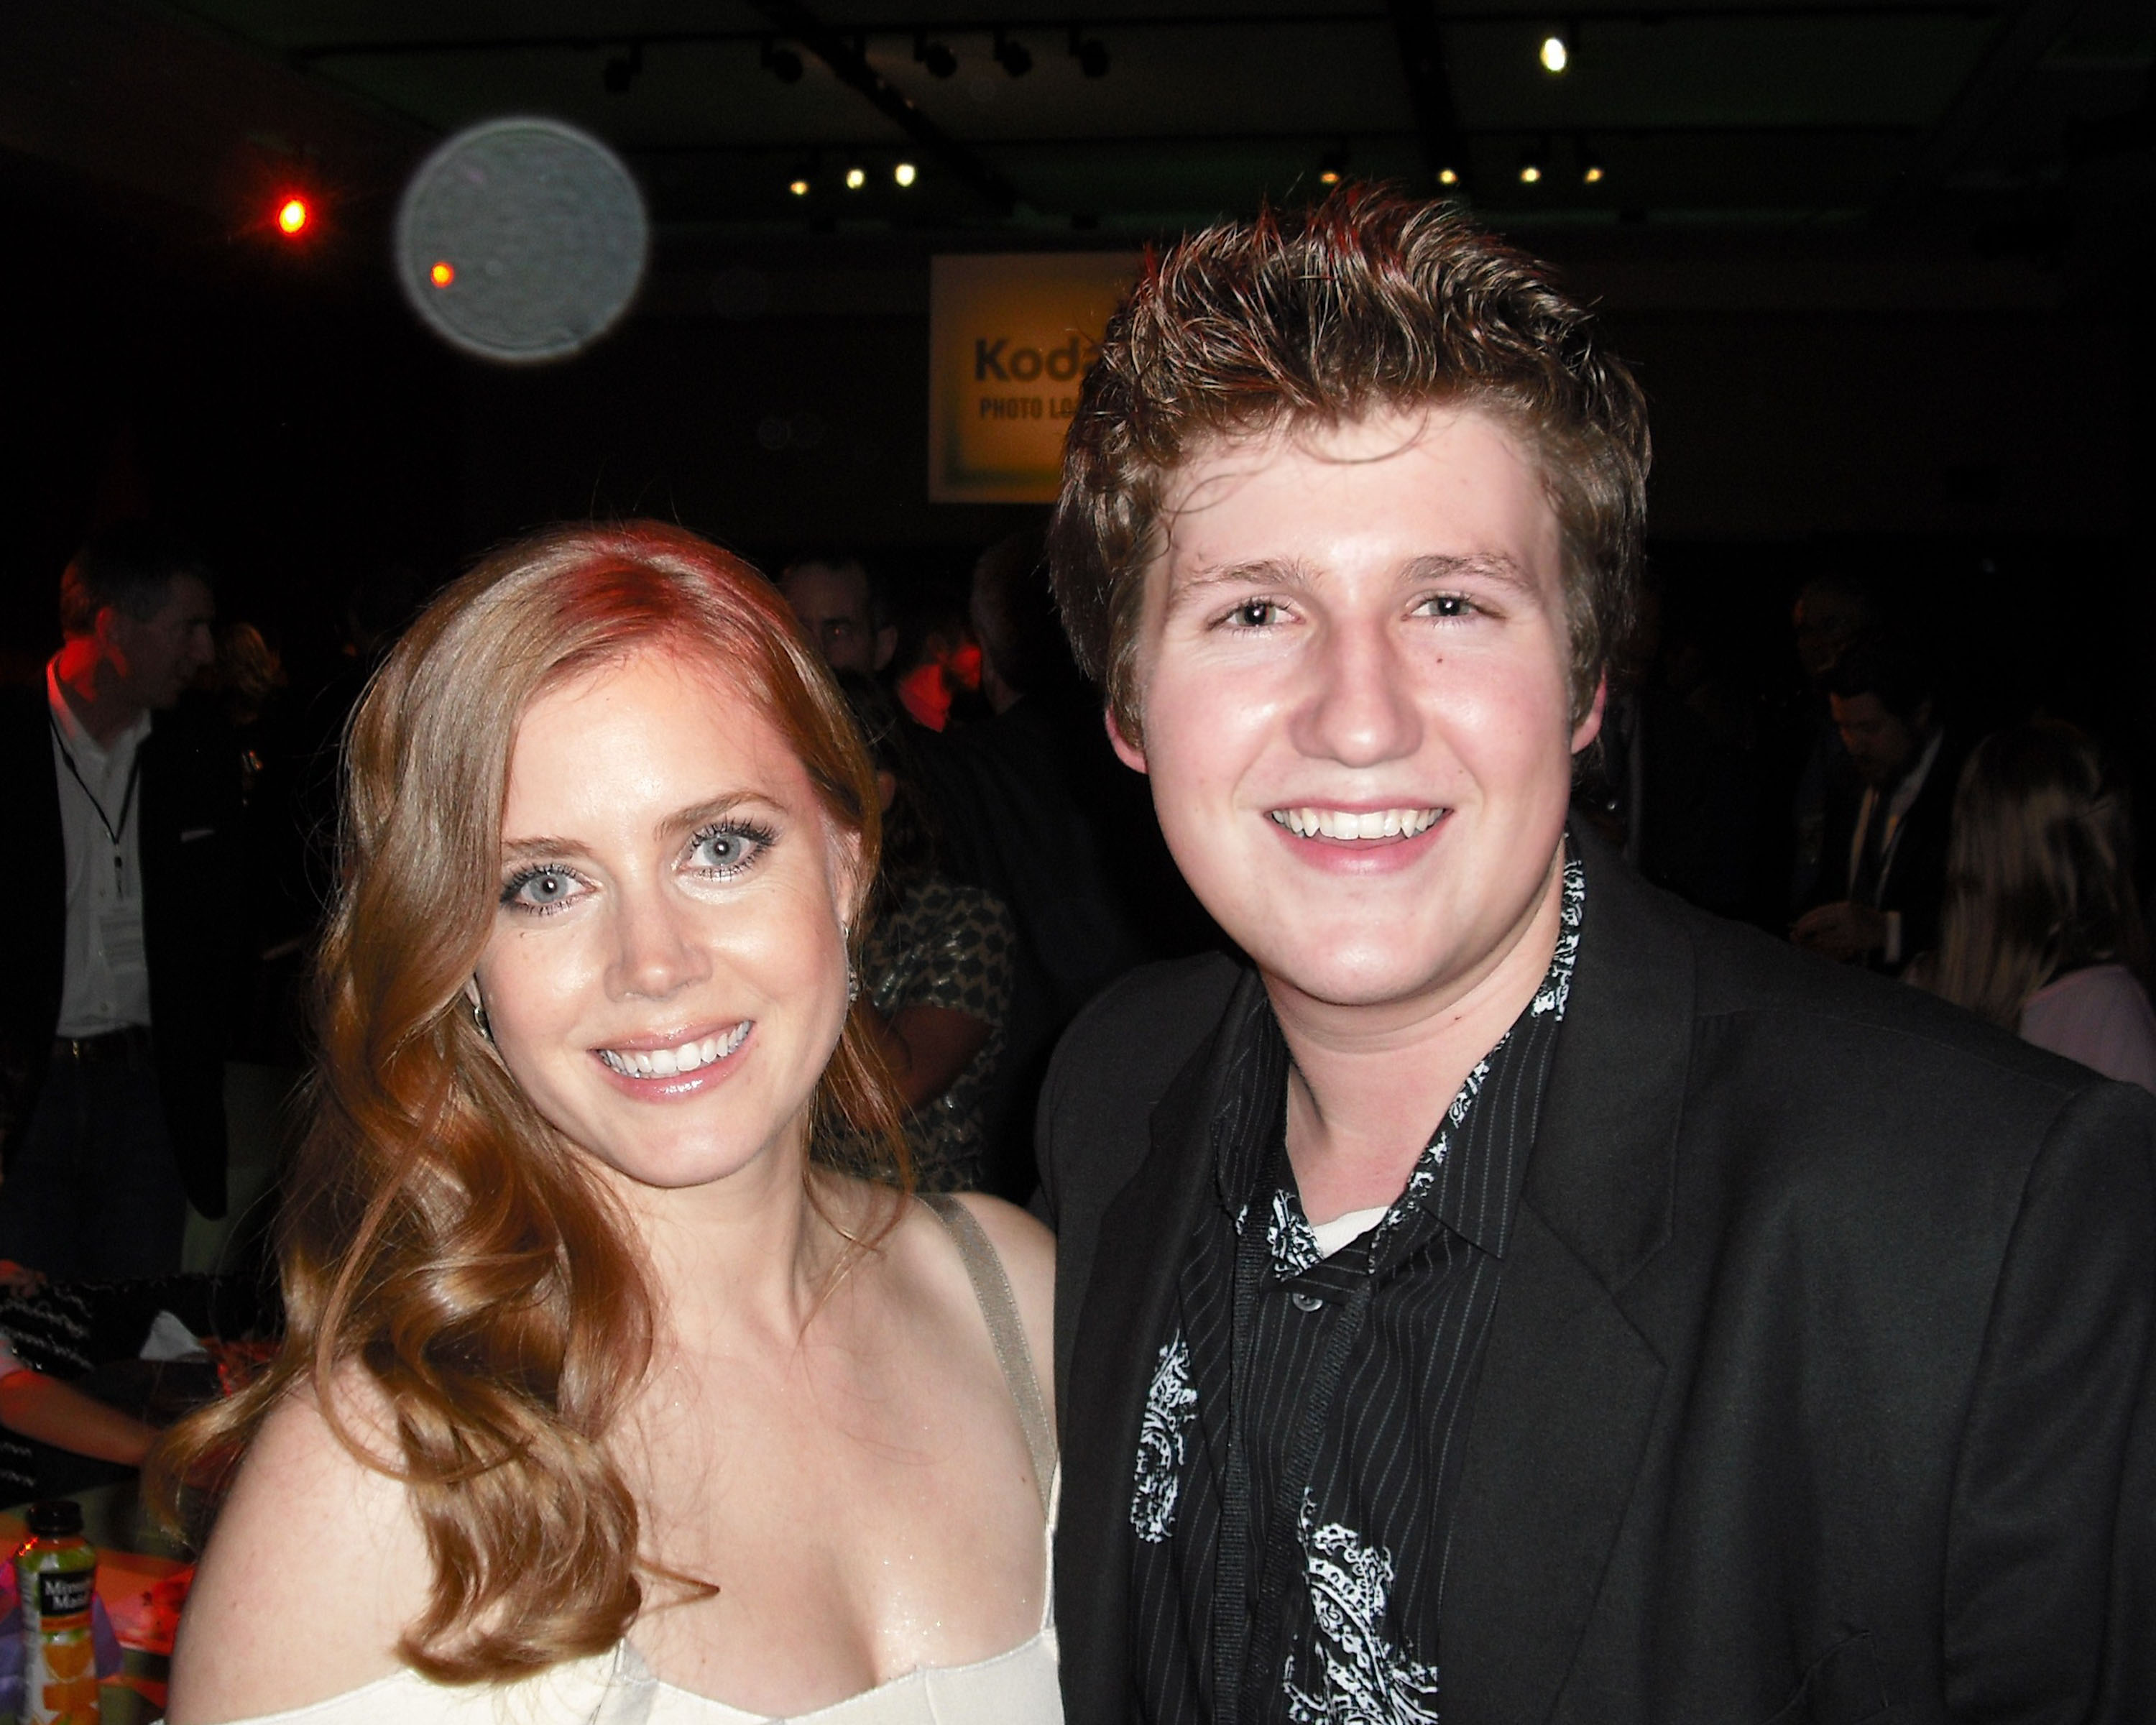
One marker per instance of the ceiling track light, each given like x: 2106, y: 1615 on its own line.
x: 936, y: 56
x: 905, y: 173
x: 1556, y: 52
x: 1590, y: 162
x: 1448, y: 176
x: 856, y: 178
x: 1090, y: 52
x: 623, y: 69
x: 1534, y: 160
x: 783, y: 64
x: 1331, y: 165
x: 1012, y: 55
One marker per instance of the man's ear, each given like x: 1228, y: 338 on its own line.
x: 1590, y: 727
x: 1128, y: 752
x: 886, y: 644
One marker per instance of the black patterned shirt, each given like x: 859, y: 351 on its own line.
x: 1324, y: 1510
x: 945, y: 944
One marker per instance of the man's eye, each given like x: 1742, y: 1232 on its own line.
x: 1448, y: 605
x: 1254, y: 614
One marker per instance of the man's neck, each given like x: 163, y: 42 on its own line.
x: 1367, y: 1084
x: 92, y: 692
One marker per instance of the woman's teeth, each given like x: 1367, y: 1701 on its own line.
x: 673, y: 1062
x: 1340, y: 823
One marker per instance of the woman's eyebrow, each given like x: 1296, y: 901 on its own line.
x: 543, y: 844
x: 697, y: 815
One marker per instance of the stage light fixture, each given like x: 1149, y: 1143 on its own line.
x: 798, y: 186
x: 856, y: 178
x: 1013, y: 55
x: 1448, y: 176
x: 1330, y: 165
x: 783, y: 63
x: 292, y: 215
x: 1592, y: 173
x: 1556, y: 52
x: 936, y: 56
x: 442, y: 273
x: 905, y: 173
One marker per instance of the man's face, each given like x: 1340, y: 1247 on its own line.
x: 1880, y: 743
x: 154, y: 658
x: 1353, y: 676
x: 832, y: 601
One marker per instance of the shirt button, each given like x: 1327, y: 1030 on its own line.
x: 1305, y: 1302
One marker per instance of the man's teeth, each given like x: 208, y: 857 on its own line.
x: 673, y: 1062
x: 1341, y: 823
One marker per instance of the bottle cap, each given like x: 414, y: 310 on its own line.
x: 54, y: 1518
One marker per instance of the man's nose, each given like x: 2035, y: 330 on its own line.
x: 1358, y: 705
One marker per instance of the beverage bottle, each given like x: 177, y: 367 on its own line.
x: 56, y: 1573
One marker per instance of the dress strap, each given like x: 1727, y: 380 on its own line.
x: 992, y: 1289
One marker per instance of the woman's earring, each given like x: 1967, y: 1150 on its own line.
x: 478, y: 1019
x: 853, y: 983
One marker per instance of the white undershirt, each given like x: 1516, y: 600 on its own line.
x: 105, y: 983
x: 1346, y: 1230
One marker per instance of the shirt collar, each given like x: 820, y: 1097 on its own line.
x: 75, y: 736
x: 1451, y: 1182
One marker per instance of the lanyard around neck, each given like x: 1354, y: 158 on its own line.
x: 126, y: 797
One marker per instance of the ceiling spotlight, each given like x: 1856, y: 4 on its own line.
x: 442, y: 273
x: 856, y: 178
x: 1592, y: 173
x: 1530, y: 173
x: 621, y: 71
x: 905, y: 173
x: 783, y: 63
x: 292, y: 215
x: 1090, y: 52
x: 1556, y: 52
x: 1448, y: 176
x: 936, y: 56
x: 798, y: 185
x: 1013, y: 56
x: 1330, y: 165
x: 1530, y: 163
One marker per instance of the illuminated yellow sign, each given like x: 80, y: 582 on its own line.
x: 1009, y: 337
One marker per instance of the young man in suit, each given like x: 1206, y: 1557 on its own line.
x: 1508, y: 1294
x: 116, y: 970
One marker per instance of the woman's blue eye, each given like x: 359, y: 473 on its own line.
x: 541, y: 889
x: 730, y: 849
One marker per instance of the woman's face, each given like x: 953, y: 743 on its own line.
x: 666, y: 979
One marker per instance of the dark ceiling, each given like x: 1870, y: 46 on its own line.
x: 1946, y: 119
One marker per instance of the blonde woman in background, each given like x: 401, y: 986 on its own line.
x: 601, y: 1398
x: 2041, y: 930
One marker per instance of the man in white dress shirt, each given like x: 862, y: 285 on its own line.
x: 115, y: 973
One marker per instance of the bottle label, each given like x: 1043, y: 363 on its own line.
x: 62, y: 1594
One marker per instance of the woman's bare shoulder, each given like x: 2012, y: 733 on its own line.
x: 315, y: 1569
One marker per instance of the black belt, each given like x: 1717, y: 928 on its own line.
x: 128, y: 1045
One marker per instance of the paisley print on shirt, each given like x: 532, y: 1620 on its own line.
x: 1170, y: 1405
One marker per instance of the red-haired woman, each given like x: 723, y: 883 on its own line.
x: 601, y: 1397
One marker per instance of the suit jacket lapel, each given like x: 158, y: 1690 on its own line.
x: 1569, y: 1385
x: 1136, y: 1266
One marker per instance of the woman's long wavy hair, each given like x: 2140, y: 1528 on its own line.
x: 2039, y: 872
x: 442, y: 1249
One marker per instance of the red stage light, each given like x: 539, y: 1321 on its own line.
x: 442, y: 274
x: 293, y: 214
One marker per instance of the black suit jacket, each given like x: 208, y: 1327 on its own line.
x: 189, y: 835
x: 1819, y: 1384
